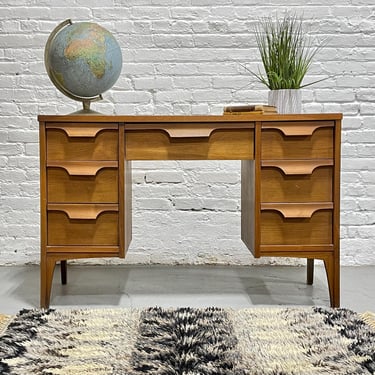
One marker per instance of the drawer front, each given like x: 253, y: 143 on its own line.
x: 278, y: 230
x: 62, y: 230
x: 277, y: 145
x: 65, y: 145
x: 222, y: 144
x: 102, y: 187
x: 276, y: 186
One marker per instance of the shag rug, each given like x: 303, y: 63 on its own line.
x: 188, y: 341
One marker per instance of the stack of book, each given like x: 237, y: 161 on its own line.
x: 254, y: 109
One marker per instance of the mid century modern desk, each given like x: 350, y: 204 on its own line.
x: 290, y: 190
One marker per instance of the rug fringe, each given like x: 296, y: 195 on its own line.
x: 369, y: 318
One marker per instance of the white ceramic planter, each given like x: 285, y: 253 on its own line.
x: 286, y: 100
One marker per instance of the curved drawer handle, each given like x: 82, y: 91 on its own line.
x: 189, y: 132
x: 173, y: 132
x: 82, y: 168
x: 83, y: 130
x: 83, y: 211
x: 298, y: 128
x: 297, y: 167
x: 297, y: 210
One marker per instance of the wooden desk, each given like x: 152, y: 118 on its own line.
x: 290, y: 191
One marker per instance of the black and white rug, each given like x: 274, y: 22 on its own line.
x: 259, y: 341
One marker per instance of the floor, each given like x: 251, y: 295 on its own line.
x: 195, y: 286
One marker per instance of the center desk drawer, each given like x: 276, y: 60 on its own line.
x: 82, y: 182
x: 298, y: 140
x: 82, y: 141
x: 82, y: 224
x: 218, y: 144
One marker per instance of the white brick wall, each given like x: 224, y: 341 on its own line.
x: 182, y: 57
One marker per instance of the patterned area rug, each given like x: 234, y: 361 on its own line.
x: 261, y: 341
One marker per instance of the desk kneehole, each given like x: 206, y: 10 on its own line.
x: 220, y: 144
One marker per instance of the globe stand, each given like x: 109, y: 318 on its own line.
x: 86, y: 107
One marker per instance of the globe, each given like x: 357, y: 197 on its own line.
x: 83, y: 60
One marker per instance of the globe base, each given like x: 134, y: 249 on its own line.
x: 85, y: 112
x: 86, y: 108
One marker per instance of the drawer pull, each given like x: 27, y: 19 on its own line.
x: 83, y: 168
x: 297, y: 210
x: 83, y: 130
x: 297, y: 167
x: 298, y: 128
x: 83, y: 211
x: 189, y: 133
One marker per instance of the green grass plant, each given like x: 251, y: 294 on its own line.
x: 286, y: 51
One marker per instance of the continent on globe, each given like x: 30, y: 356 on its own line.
x: 91, y: 48
x: 83, y: 60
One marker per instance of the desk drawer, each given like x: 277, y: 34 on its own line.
x: 82, y: 225
x: 99, y: 142
x: 282, y: 184
x: 95, y: 182
x: 309, y: 142
x: 276, y: 229
x: 222, y: 144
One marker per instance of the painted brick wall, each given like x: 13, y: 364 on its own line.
x: 184, y: 57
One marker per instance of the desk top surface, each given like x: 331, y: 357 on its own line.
x: 188, y: 118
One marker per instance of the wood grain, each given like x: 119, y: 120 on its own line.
x: 153, y: 144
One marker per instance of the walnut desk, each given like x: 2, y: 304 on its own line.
x: 290, y: 190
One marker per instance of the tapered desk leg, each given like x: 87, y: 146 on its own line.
x: 63, y: 271
x: 332, y: 267
x: 310, y: 271
x: 47, y: 268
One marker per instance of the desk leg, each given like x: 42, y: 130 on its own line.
x: 47, y: 268
x: 310, y: 271
x: 63, y: 271
x: 332, y: 267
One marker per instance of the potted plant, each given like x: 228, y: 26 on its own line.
x: 287, y: 52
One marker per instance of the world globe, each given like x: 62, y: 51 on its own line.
x: 83, y: 60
